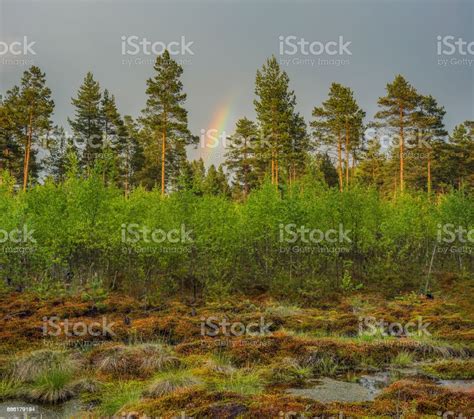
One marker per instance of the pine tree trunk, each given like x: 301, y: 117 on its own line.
x: 402, y: 147
x: 347, y: 156
x: 339, y: 154
x: 27, y: 153
x: 273, y: 168
x: 246, y: 170
x: 276, y: 172
x: 429, y: 174
x: 163, y: 158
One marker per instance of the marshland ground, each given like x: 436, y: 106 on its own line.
x: 244, y: 356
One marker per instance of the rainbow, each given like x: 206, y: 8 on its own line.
x: 222, y: 121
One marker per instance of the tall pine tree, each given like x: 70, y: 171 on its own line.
x: 166, y: 120
x: 240, y: 156
x: 87, y: 122
x: 274, y: 106
x: 399, y: 115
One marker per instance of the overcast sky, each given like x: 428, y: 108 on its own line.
x: 224, y: 42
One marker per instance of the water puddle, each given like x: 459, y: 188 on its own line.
x: 330, y: 390
x: 367, y: 387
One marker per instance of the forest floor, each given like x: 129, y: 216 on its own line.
x: 246, y: 357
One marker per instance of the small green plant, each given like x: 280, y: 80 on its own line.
x: 218, y: 290
x: 9, y: 389
x: 140, y: 360
x: 402, y: 359
x: 347, y: 284
x: 29, y: 367
x: 169, y: 381
x: 117, y: 395
x: 95, y: 292
x: 244, y: 382
x: 52, y: 386
x: 48, y: 289
x: 287, y: 371
x: 325, y: 365
x: 283, y: 310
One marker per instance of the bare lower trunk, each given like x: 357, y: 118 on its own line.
x: 429, y: 174
x: 402, y: 150
x: 26, y: 166
x: 339, y: 166
x: 163, y: 158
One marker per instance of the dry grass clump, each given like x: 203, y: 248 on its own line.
x: 30, y: 367
x: 137, y: 361
x: 171, y: 381
x: 286, y: 371
x: 53, y: 386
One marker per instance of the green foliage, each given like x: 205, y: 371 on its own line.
x: 117, y: 395
x: 244, y: 382
x: 233, y: 247
x: 95, y: 292
x: 170, y: 381
x: 52, y: 386
x: 403, y: 359
x: 9, y: 389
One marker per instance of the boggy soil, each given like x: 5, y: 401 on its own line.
x: 238, y: 357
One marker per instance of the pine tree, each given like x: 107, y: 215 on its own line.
x: 240, y: 157
x: 429, y: 135
x: 59, y: 149
x: 10, y: 146
x: 338, y: 125
x: 87, y: 123
x: 166, y: 120
x: 328, y: 170
x: 399, y: 115
x: 114, y: 139
x: 275, y: 108
x: 131, y: 154
x: 297, y: 149
x: 32, y: 116
x: 215, y: 182
x: 372, y: 168
x: 458, y: 160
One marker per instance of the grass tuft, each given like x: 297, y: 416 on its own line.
x: 53, y: 386
x: 402, y: 359
x: 116, y: 396
x: 137, y: 361
x: 170, y: 381
x: 243, y: 382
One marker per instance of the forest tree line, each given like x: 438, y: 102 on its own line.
x: 405, y: 146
